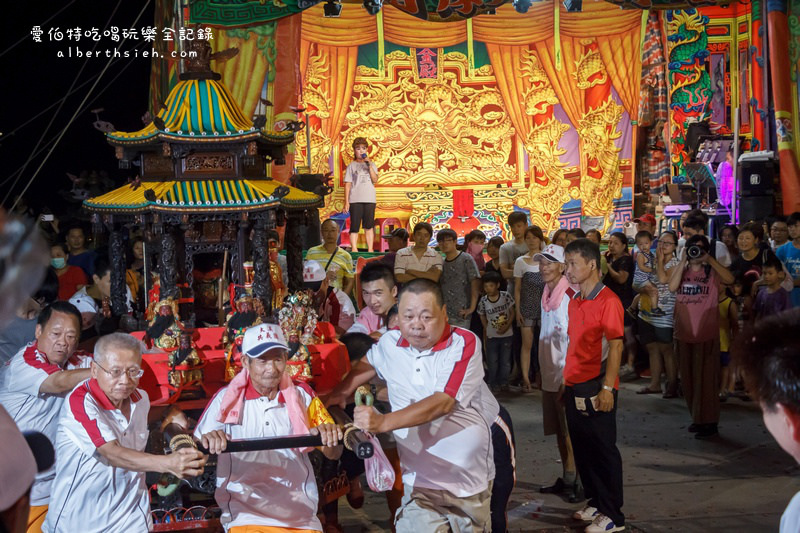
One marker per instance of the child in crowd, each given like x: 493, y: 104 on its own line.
x: 728, y: 330
x: 496, y: 309
x: 644, y: 276
x: 493, y: 251
x: 594, y: 236
x: 772, y: 298
x: 473, y: 245
x: 574, y: 234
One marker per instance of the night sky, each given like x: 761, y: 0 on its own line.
x: 34, y: 78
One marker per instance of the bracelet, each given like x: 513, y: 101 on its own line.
x: 610, y: 389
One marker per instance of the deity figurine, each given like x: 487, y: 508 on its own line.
x: 185, y: 368
x: 244, y: 314
x: 167, y: 333
x: 164, y: 327
x: 298, y: 320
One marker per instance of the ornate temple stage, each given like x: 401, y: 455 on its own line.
x: 467, y: 119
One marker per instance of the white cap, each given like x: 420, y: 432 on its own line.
x: 313, y: 272
x: 260, y: 339
x: 552, y: 253
x: 17, y: 463
x: 83, y: 302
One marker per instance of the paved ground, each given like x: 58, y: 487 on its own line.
x: 738, y: 482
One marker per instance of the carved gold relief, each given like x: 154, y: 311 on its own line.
x: 316, y: 99
x: 425, y: 131
x: 598, y: 131
x: 548, y: 192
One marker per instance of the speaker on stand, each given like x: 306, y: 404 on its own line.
x: 756, y: 188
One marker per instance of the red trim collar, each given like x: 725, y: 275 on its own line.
x: 250, y: 392
x: 102, y: 398
x: 440, y: 345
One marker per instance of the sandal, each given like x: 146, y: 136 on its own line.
x: 526, y: 389
x: 647, y: 390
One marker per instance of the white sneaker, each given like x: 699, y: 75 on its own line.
x: 587, y: 513
x: 603, y: 524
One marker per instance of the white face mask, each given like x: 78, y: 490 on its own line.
x: 58, y: 262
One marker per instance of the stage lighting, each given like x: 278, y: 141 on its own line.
x: 373, y: 6
x: 573, y: 5
x: 522, y: 6
x: 332, y: 9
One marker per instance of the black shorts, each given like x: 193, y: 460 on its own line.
x: 361, y: 214
x: 649, y: 334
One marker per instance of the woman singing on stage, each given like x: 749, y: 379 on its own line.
x: 359, y: 194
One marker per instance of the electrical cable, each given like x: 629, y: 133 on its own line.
x: 52, y: 119
x: 74, y: 115
x: 73, y: 91
x: 85, y: 107
x: 40, y: 25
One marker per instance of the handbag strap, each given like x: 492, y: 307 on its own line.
x: 331, y: 259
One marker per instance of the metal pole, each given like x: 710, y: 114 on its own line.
x: 308, y: 144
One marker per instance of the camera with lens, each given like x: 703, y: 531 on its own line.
x: 694, y: 251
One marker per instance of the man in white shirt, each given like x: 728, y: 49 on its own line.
x: 442, y: 412
x: 274, y: 488
x: 418, y: 260
x: 35, y: 381
x: 100, y: 459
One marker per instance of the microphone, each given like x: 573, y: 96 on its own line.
x: 364, y: 158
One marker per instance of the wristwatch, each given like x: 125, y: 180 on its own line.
x: 609, y: 389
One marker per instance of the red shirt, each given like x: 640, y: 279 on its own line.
x: 68, y: 282
x: 599, y: 315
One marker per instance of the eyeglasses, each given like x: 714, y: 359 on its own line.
x: 133, y: 373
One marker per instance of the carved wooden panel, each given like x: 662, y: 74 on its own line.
x: 209, y: 163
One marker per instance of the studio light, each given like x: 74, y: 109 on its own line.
x: 332, y: 9
x: 573, y: 6
x: 522, y: 6
x: 373, y: 6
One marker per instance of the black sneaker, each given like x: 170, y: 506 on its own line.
x: 694, y: 428
x: 706, y: 431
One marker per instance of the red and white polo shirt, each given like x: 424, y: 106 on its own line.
x: 20, y: 380
x: 268, y: 488
x: 89, y: 495
x: 453, y: 452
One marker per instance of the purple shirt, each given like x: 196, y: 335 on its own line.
x: 771, y: 303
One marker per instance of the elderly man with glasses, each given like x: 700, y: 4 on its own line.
x: 34, y: 382
x: 100, y: 443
